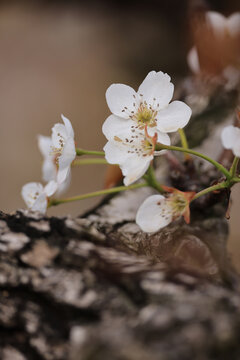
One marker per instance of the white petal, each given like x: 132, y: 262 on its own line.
x: 58, y: 129
x: 174, y: 117
x: 233, y: 24
x: 114, y: 153
x: 40, y: 204
x: 49, y: 170
x: 154, y: 214
x: 162, y: 138
x: 68, y: 125
x: 114, y: 125
x: 66, y: 159
x: 230, y: 136
x: 134, y: 168
x: 216, y: 21
x: 62, y: 174
x: 30, y: 191
x: 193, y: 60
x: 63, y: 187
x: 50, y: 188
x: 156, y: 89
x: 119, y: 97
x: 44, y: 145
x: 236, y: 148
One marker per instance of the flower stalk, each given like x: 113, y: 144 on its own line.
x: 220, y: 167
x: 80, y: 152
x: 92, y: 161
x: 219, y: 186
x: 234, y: 166
x: 117, y: 189
x: 184, y: 143
x: 152, y: 181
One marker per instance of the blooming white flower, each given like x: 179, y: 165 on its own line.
x: 63, y: 148
x: 49, y: 167
x: 133, y: 153
x: 140, y: 120
x: 157, y: 211
x: 148, y: 106
x: 36, y: 196
x: 231, y: 139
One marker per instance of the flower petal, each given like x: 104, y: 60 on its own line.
x: 114, y: 125
x: 216, y: 21
x: 44, y: 145
x: 62, y: 174
x: 230, y: 136
x: 114, y: 153
x: 193, y: 60
x: 50, y: 188
x: 174, y: 117
x: 156, y: 89
x: 154, y: 214
x: 30, y: 192
x: 58, y: 131
x: 162, y: 138
x: 122, y: 100
x: 49, y: 170
x: 62, y: 188
x: 236, y: 148
x: 68, y: 125
x: 134, y: 168
x: 65, y: 160
x: 40, y: 204
x: 233, y: 24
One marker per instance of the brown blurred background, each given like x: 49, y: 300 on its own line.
x: 60, y: 57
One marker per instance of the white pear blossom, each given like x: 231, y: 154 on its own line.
x: 49, y: 167
x: 157, y: 211
x: 139, y: 120
x: 133, y: 152
x: 231, y: 139
x: 36, y: 196
x: 148, y: 106
x: 63, y: 148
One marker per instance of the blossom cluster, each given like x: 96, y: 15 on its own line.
x: 139, y: 121
x: 136, y: 131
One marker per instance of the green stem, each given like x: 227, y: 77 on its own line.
x: 81, y: 152
x: 184, y: 142
x: 234, y: 166
x: 152, y: 181
x: 89, y: 161
x: 222, y: 185
x: 196, y: 153
x: 54, y: 202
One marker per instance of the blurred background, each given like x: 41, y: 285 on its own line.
x: 60, y: 57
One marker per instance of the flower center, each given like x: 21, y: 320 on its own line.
x: 57, y: 151
x: 32, y: 197
x: 145, y: 115
x: 178, y: 204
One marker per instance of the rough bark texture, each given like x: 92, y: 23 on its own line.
x: 97, y: 288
